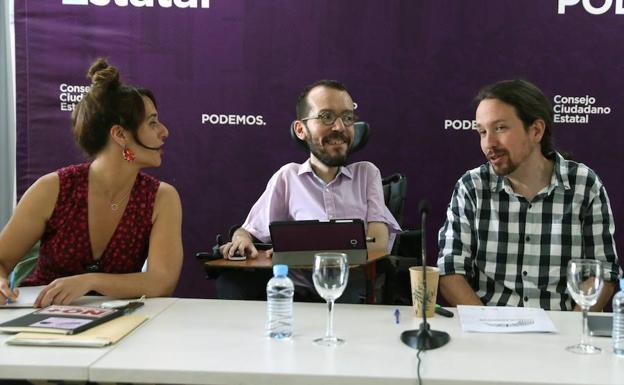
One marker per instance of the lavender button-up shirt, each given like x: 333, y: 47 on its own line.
x: 296, y: 193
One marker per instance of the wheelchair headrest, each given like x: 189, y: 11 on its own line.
x: 360, y: 136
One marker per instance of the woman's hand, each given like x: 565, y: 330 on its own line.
x: 63, y: 291
x: 6, y: 292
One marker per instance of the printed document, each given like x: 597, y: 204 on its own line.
x: 503, y: 319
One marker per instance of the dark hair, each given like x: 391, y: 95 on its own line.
x: 529, y: 102
x: 303, y: 108
x: 108, y: 102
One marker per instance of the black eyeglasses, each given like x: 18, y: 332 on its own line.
x: 328, y: 118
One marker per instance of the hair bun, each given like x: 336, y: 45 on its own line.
x: 103, y: 75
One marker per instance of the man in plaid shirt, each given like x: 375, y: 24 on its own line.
x: 515, y: 222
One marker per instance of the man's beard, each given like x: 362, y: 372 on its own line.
x: 323, y: 155
x: 506, y: 168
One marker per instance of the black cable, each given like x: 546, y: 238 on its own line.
x: 418, y: 367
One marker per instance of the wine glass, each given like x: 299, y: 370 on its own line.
x: 330, y: 275
x: 584, y: 284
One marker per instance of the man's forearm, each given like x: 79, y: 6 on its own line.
x: 603, y: 299
x: 379, y: 232
x: 605, y: 296
x: 456, y: 290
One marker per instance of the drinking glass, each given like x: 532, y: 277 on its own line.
x: 584, y: 284
x: 330, y: 275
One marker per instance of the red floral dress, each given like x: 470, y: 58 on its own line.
x: 66, y: 246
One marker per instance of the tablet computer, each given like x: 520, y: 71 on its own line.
x: 296, y: 242
x: 600, y: 325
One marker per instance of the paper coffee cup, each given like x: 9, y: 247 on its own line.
x: 416, y: 279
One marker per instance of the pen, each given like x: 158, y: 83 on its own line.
x: 11, y: 285
x: 397, y: 314
x: 443, y: 312
x: 132, y: 306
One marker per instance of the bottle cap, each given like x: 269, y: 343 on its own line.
x: 280, y: 270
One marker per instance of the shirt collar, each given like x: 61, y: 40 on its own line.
x: 559, y: 177
x: 306, y: 168
x: 497, y: 182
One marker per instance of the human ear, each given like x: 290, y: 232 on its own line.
x: 538, y: 127
x: 118, y: 134
x: 299, y: 129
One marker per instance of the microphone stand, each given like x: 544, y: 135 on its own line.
x: 424, y: 338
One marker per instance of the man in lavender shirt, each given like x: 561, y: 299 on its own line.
x: 322, y: 188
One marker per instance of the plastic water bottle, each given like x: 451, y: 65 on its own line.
x: 618, y: 321
x: 280, y: 290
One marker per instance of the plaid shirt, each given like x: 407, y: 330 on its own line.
x: 515, y: 252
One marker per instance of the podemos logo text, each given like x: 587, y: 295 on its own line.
x: 593, y: 6
x: 233, y: 120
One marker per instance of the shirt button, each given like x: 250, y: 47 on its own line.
x: 527, y: 238
x: 524, y: 273
x: 526, y: 299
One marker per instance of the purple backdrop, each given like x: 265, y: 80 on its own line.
x: 412, y: 67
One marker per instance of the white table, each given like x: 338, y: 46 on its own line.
x: 222, y: 342
x: 56, y: 363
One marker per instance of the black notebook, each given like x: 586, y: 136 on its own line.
x: 59, y: 319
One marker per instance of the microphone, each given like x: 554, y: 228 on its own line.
x: 424, y: 338
x: 423, y: 207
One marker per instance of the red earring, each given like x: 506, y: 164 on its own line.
x: 128, y: 154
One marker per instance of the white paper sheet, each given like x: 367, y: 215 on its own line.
x: 491, y: 319
x: 26, y: 298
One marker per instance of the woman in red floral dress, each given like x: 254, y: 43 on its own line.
x: 100, y: 221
